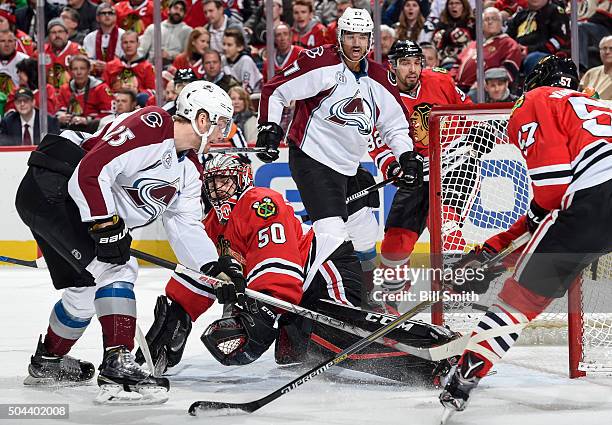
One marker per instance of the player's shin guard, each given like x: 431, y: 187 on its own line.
x: 396, y: 247
x: 116, y: 309
x: 64, y: 330
x: 494, y: 335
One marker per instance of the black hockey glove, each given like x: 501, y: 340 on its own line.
x: 469, y: 275
x: 535, y: 215
x: 229, y: 271
x: 269, y: 136
x: 112, y: 242
x: 244, y: 336
x: 168, y: 335
x: 411, y: 163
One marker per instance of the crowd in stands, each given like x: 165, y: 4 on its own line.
x: 100, y: 56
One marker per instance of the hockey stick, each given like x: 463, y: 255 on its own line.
x: 433, y: 354
x: 236, y: 150
x: 317, y: 370
x: 39, y: 263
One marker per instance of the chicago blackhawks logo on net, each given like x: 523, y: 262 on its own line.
x: 353, y: 111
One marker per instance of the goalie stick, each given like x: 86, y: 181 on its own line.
x: 444, y: 351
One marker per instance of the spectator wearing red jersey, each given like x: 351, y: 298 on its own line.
x: 454, y: 31
x: 308, y: 32
x: 24, y: 42
x: 507, y: 8
x: 84, y: 100
x: 192, y: 57
x: 58, y: 52
x: 27, y: 71
x: 103, y: 44
x: 134, y: 15
x: 131, y: 71
x: 285, y: 54
x: 500, y: 50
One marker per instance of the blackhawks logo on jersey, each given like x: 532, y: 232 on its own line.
x: 265, y: 208
x: 134, y: 23
x: 519, y: 102
x: 6, y: 84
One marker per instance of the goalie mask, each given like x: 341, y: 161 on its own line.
x: 226, y: 178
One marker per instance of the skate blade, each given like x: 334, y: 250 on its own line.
x: 446, y: 415
x: 32, y: 381
x: 115, y: 395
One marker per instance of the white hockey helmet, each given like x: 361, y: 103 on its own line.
x: 355, y: 20
x: 202, y: 95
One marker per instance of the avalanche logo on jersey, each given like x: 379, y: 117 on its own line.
x: 353, y: 112
x: 152, y: 195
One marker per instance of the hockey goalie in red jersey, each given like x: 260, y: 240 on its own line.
x: 269, y: 250
x: 566, y: 140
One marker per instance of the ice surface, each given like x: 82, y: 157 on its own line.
x: 530, y: 386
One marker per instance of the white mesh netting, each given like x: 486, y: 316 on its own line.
x: 484, y: 189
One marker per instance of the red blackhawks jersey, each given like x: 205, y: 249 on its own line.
x: 132, y: 169
x: 25, y: 44
x: 313, y: 35
x: 57, y: 62
x: 436, y: 87
x: 135, y: 18
x: 279, y: 257
x: 139, y: 73
x: 566, y: 139
x: 94, y: 102
x: 336, y: 110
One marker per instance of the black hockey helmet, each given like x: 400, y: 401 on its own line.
x: 553, y: 71
x: 405, y: 49
x: 184, y: 76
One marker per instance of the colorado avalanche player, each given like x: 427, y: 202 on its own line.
x: 80, y: 204
x: 340, y: 96
x: 269, y: 249
x: 566, y: 140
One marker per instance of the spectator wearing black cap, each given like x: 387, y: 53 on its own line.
x: 497, y: 81
x: 182, y: 77
x: 103, y: 44
x: 21, y: 126
x: 174, y: 34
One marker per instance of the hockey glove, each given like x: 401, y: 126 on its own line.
x: 270, y: 136
x: 233, y: 284
x: 479, y: 278
x: 112, y: 242
x: 411, y: 163
x: 168, y: 335
x: 535, y: 215
x: 244, y: 336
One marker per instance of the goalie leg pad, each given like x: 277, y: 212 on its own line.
x: 242, y: 338
x: 168, y: 334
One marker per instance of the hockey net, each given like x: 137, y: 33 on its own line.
x: 479, y: 186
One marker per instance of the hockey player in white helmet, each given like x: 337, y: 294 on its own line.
x: 81, y: 203
x: 340, y: 96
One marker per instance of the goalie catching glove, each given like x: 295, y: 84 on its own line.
x: 269, y: 137
x: 244, y: 336
x: 479, y: 281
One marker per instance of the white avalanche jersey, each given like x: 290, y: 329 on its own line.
x: 336, y: 110
x: 132, y: 169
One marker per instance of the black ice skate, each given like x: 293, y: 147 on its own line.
x: 462, y: 381
x: 122, y: 381
x: 47, y: 369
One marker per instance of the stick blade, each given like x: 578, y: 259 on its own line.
x: 221, y: 408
